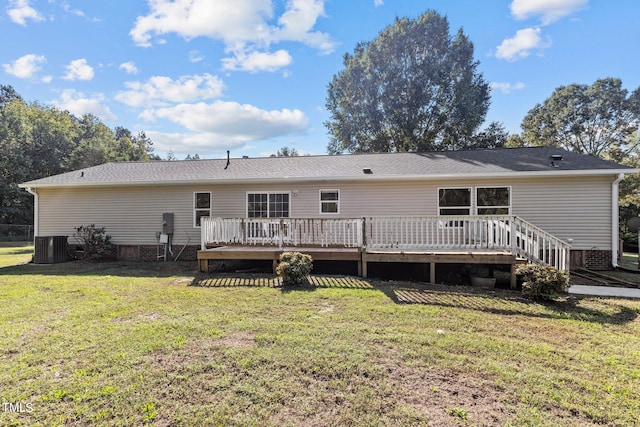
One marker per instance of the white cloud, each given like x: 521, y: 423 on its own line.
x: 160, y: 90
x: 507, y: 88
x: 129, y: 67
x: 233, y: 120
x: 195, y: 56
x: 26, y: 66
x: 378, y: 3
x: 233, y: 22
x: 297, y: 22
x: 205, y: 144
x: 548, y: 10
x: 258, y: 61
x: 78, y: 69
x: 245, y: 26
x: 79, y: 104
x: 20, y: 10
x: 521, y: 45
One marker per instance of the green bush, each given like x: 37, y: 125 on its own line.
x: 95, y: 242
x: 540, y: 282
x: 294, y: 267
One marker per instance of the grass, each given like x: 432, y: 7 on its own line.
x: 160, y: 344
x: 12, y: 253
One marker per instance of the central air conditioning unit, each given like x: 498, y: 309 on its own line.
x: 50, y: 249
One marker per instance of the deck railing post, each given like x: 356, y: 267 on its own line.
x: 514, y: 236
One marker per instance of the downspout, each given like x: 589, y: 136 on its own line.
x: 36, y: 203
x: 615, y: 227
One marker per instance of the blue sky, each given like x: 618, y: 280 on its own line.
x: 250, y: 76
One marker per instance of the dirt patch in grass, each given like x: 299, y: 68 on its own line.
x: 237, y: 340
x: 450, y: 398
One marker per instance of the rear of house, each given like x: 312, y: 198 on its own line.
x: 571, y: 196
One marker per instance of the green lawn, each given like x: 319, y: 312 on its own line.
x: 12, y: 253
x: 134, y: 343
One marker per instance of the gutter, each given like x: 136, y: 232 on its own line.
x: 615, y: 215
x: 36, y: 209
x: 351, y: 178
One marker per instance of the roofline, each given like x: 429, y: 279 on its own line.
x: 526, y: 174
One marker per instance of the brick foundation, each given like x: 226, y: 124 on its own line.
x: 150, y: 252
x: 598, y: 260
x: 593, y: 259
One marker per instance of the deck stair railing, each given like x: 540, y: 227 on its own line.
x: 506, y: 233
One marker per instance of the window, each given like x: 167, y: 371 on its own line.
x: 493, y: 200
x: 268, y: 205
x: 454, y: 201
x: 330, y: 201
x: 201, y: 207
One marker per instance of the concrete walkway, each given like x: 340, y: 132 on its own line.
x: 605, y: 291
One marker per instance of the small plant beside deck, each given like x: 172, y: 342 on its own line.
x: 294, y: 267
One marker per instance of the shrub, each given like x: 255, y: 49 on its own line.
x: 95, y: 242
x: 294, y: 267
x: 540, y: 282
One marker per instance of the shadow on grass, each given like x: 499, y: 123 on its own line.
x: 510, y: 303
x: 105, y: 268
x: 502, y: 302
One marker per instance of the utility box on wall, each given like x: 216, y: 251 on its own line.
x: 167, y: 223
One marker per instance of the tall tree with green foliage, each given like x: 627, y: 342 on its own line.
x: 38, y: 141
x: 597, y: 119
x: 413, y: 88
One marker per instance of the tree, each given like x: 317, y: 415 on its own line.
x: 494, y: 136
x: 413, y: 88
x: 38, y: 141
x: 597, y: 120
x: 285, y: 152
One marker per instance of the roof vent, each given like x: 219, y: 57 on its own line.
x: 245, y: 157
x: 554, y: 159
x: 367, y: 171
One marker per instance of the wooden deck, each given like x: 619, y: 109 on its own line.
x: 362, y: 257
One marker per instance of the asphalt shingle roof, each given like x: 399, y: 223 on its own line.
x: 507, y: 162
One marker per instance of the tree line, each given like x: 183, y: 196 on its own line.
x: 37, y: 141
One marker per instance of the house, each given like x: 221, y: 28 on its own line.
x: 532, y: 202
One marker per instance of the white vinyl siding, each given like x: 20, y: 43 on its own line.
x: 573, y: 207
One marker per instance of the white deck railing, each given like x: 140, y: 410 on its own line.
x: 438, y: 233
x: 313, y: 232
x: 462, y: 232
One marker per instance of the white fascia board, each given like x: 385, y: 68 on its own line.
x: 356, y: 178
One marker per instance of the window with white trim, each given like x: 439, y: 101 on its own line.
x: 493, y: 200
x: 201, y: 206
x: 330, y: 201
x: 454, y: 201
x: 268, y: 205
